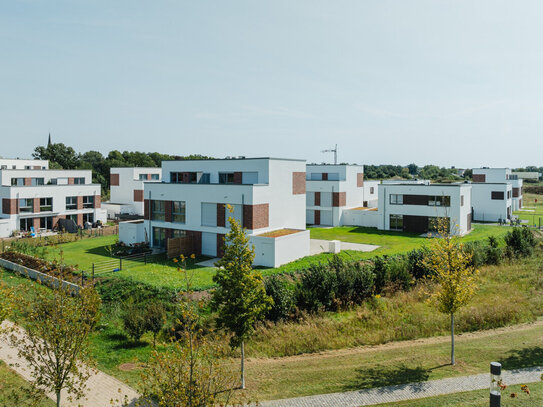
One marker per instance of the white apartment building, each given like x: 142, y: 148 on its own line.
x: 414, y: 207
x: 485, y: 203
x: 267, y: 196
x: 38, y: 198
x: 492, y: 202
x: 126, y: 189
x: 17, y: 164
x: 332, y: 189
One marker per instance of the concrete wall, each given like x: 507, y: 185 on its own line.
x: 356, y: 217
x: 131, y: 232
x: 274, y: 252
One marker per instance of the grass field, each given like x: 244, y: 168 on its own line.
x: 11, y: 381
x: 163, y: 272
x: 533, y: 211
x: 478, y: 398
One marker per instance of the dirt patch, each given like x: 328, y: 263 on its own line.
x: 126, y: 367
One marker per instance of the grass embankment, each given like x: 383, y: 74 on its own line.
x: 478, y: 398
x: 12, y: 382
x: 162, y: 272
x: 532, y: 211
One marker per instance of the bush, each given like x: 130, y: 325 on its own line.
x: 134, y: 323
x: 478, y: 253
x: 494, y: 254
x: 415, y: 264
x: 121, y: 290
x: 154, y: 317
x: 398, y: 272
x: 316, y: 289
x: 381, y: 273
x: 520, y: 242
x: 283, y: 298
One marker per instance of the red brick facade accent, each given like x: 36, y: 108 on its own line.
x: 516, y: 192
x: 138, y: 195
x: 168, y: 211
x: 298, y: 183
x: 220, y: 245
x: 71, y: 181
x: 220, y: 215
x: 256, y: 216
x: 146, y: 209
x: 114, y: 180
x: 80, y: 219
x: 317, y: 199
x: 238, y: 178
x: 339, y: 198
x: 37, y: 167
x: 9, y: 206
x: 28, y: 182
x: 148, y: 177
x: 79, y: 202
x: 97, y: 201
x: 36, y: 205
x: 479, y: 178
x: 325, y: 176
x: 360, y: 179
x: 36, y: 224
x: 317, y: 220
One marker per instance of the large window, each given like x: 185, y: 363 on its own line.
x: 396, y: 199
x: 71, y: 203
x: 176, y: 233
x: 79, y: 180
x: 178, y: 211
x: 46, y: 204
x: 158, y: 209
x: 439, y: 201
x: 37, y: 181
x: 143, y: 177
x: 88, y: 201
x: 396, y: 222
x: 26, y: 224
x: 226, y: 177
x: 26, y: 205
x: 17, y: 182
x: 46, y: 222
x: 497, y: 195
x: 155, y: 177
x: 88, y: 217
x: 159, y: 236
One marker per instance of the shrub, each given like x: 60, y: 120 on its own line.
x: 494, y: 253
x: 381, y: 273
x: 398, y: 272
x: 520, y: 242
x: 121, y: 290
x: 363, y: 283
x: 415, y: 265
x: 316, y: 288
x: 134, y: 323
x: 283, y: 298
x: 154, y: 317
x: 478, y: 253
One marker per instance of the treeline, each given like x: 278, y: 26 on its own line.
x: 432, y: 172
x: 65, y: 157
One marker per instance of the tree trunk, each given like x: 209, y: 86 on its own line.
x: 58, y: 398
x: 242, y: 365
x: 452, y: 339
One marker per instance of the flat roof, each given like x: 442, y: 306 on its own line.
x: 239, y: 158
x: 135, y: 168
x: 452, y: 184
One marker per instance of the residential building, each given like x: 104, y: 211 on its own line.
x: 18, y: 164
x: 38, y: 198
x: 481, y: 201
x: 411, y: 207
x: 492, y: 202
x: 532, y: 176
x: 332, y: 189
x: 126, y: 189
x: 196, y: 197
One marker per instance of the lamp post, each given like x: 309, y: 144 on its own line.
x: 495, y: 381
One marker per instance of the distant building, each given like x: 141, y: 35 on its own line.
x: 483, y: 200
x: 532, y: 176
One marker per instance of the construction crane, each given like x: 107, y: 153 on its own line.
x: 332, y: 150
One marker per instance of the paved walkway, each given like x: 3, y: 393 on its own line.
x: 410, y: 391
x: 318, y: 246
x: 102, y: 388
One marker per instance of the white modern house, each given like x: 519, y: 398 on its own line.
x: 35, y: 199
x: 414, y: 207
x: 18, y: 164
x: 485, y: 205
x: 126, y: 189
x: 332, y: 189
x: 266, y: 195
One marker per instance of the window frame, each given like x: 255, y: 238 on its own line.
x: 158, y: 214
x: 180, y: 216
x: 46, y: 207
x: 71, y: 206
x: 396, y: 199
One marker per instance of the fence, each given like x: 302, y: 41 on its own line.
x: 61, y: 237
x: 116, y: 264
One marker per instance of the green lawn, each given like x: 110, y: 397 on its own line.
x: 533, y: 211
x: 11, y: 384
x: 479, y: 398
x: 163, y: 272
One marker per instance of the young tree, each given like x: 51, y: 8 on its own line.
x: 55, y: 339
x: 155, y: 317
x: 240, y: 298
x: 452, y: 271
x: 191, y: 372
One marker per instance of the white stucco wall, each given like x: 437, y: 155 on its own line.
x: 487, y: 209
x: 129, y: 182
x: 356, y: 217
x: 274, y: 252
x: 131, y: 232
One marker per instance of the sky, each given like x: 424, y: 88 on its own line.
x: 457, y: 82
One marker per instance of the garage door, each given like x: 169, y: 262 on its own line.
x: 209, y: 244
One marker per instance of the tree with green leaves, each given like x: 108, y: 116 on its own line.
x: 452, y: 272
x: 55, y: 339
x: 58, y: 153
x: 240, y: 298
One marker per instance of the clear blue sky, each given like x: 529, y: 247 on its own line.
x: 456, y: 82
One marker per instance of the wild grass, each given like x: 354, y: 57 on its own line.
x: 10, y: 382
x: 532, y: 210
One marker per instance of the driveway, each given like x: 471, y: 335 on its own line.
x: 318, y: 246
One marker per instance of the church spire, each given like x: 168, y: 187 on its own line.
x: 49, y: 141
